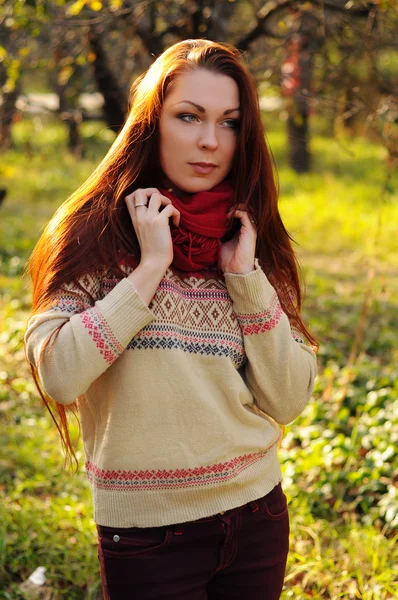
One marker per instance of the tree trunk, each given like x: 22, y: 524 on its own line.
x: 115, y: 101
x: 296, y: 81
x: 297, y: 133
x: 8, y: 110
x: 72, y: 119
x: 69, y: 114
x: 349, y: 109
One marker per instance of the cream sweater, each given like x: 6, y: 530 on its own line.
x: 179, y: 401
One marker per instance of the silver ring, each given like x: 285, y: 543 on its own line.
x: 135, y: 205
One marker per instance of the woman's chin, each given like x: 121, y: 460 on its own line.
x: 198, y: 184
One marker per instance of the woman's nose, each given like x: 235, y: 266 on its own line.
x: 208, y: 138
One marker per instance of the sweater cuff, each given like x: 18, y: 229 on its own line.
x: 250, y: 293
x: 124, y: 311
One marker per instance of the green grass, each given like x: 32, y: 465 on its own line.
x: 340, y: 455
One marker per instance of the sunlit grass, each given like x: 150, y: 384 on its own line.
x: 328, y: 563
x: 341, y: 206
x: 338, y: 457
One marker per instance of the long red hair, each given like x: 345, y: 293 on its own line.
x: 93, y: 227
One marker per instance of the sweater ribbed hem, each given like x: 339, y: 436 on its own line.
x: 156, y: 509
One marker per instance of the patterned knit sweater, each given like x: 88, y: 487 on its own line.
x: 179, y: 401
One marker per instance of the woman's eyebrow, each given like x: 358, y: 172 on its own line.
x: 202, y: 110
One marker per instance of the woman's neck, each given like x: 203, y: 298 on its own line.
x: 170, y: 187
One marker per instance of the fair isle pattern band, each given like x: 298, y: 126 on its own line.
x: 296, y: 334
x: 198, y: 293
x: 263, y: 321
x: 165, y: 337
x: 73, y: 299
x: 70, y: 302
x: 195, y: 316
x: 166, y: 479
x: 102, y: 335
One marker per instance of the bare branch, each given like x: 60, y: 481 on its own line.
x: 272, y: 8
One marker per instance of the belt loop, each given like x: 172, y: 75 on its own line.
x: 253, y: 506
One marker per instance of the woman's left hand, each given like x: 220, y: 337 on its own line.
x: 237, y: 255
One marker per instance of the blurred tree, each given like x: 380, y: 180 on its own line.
x: 328, y: 56
x: 304, y: 31
x: 65, y: 81
x: 8, y: 108
x: 115, y: 99
x: 145, y: 30
x: 10, y: 79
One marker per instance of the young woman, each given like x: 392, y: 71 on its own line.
x: 166, y: 307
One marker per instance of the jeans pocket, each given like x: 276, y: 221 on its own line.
x: 118, y: 542
x: 275, y: 504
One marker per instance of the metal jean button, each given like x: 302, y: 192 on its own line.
x: 116, y: 538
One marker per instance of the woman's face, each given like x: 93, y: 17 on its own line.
x: 198, y: 129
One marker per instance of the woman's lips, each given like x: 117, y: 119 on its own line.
x: 202, y: 168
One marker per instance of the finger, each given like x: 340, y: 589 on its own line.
x: 156, y: 201
x: 140, y: 196
x: 143, y: 192
x: 171, y: 211
x: 245, y: 218
x: 129, y: 200
x: 143, y: 196
x: 141, y: 199
x: 238, y: 207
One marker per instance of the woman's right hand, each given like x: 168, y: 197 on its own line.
x: 152, y: 226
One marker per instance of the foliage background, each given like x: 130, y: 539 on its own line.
x: 340, y: 457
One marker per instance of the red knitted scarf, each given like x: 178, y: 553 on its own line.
x: 197, y: 241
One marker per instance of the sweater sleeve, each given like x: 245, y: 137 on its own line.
x: 92, y: 335
x: 281, y: 369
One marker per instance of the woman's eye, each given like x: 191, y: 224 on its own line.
x: 232, y: 123
x: 191, y: 118
x: 188, y: 118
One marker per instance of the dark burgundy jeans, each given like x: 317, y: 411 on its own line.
x: 238, y: 555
